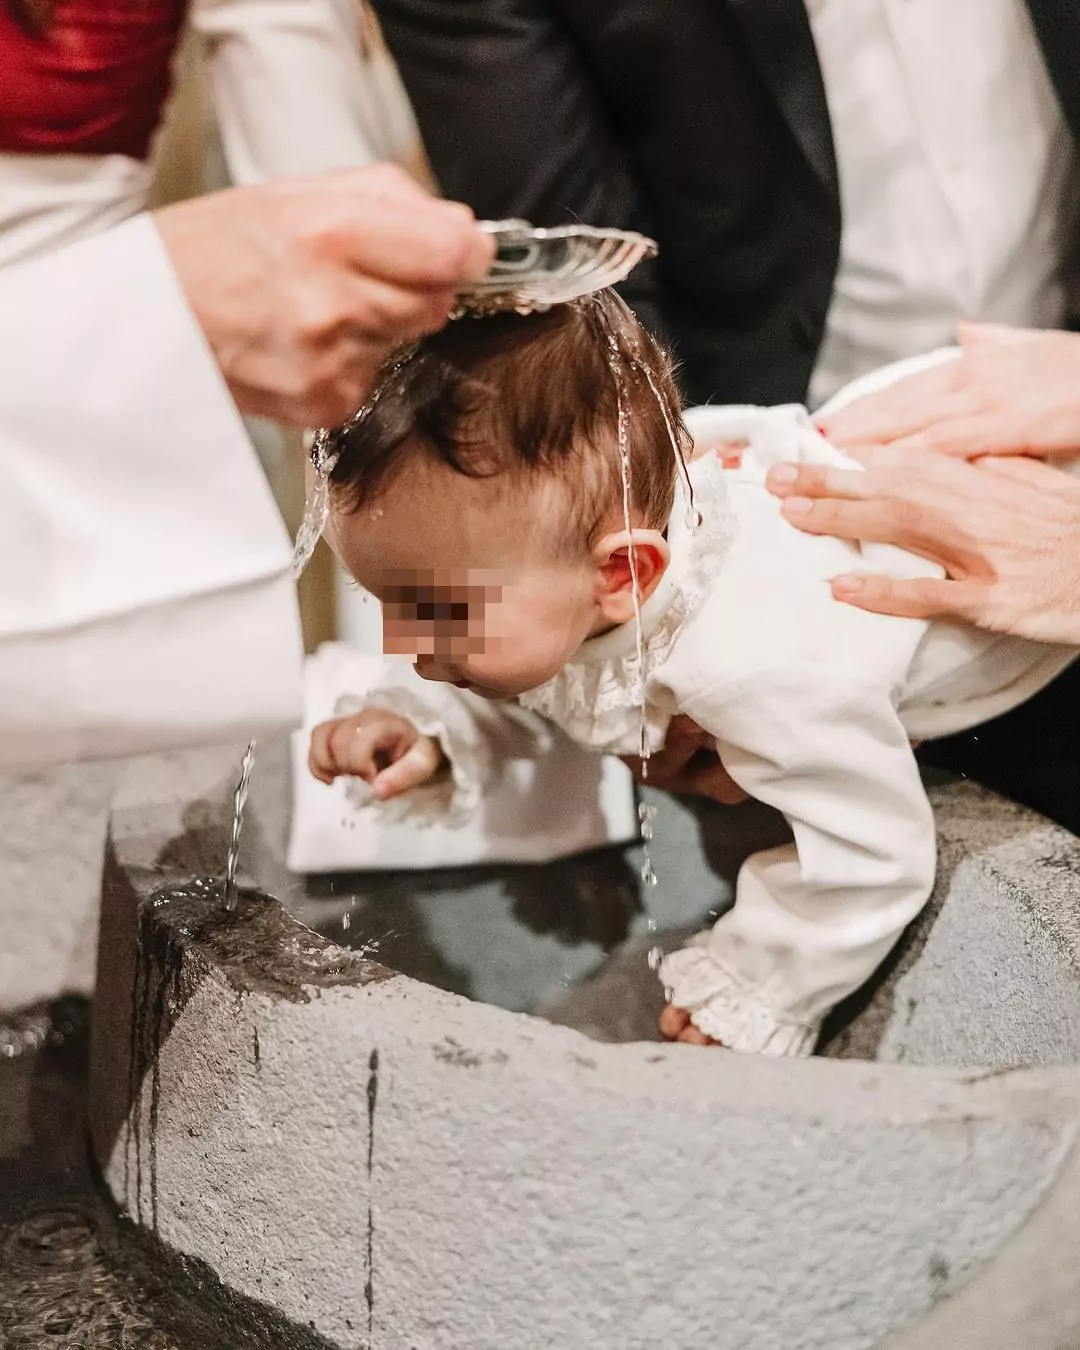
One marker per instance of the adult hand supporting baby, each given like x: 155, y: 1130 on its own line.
x: 1011, y: 392
x: 1007, y: 532
x: 302, y: 287
x: 688, y: 765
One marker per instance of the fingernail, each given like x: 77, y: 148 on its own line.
x: 782, y: 474
x: 850, y: 585
x: 797, y: 506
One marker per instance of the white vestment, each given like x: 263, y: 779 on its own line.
x: 147, y: 602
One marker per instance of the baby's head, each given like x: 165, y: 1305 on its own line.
x: 480, y: 494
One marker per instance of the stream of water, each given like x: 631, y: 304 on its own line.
x: 645, y: 812
x: 620, y: 361
x: 240, y: 796
x: 316, y: 509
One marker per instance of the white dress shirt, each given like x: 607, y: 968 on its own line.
x: 957, y: 176
x: 813, y: 705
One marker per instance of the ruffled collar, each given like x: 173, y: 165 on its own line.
x: 596, y: 698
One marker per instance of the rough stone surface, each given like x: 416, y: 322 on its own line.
x: 405, y: 1169
x: 990, y: 971
x: 469, y: 1163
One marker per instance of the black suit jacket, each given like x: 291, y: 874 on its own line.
x: 702, y: 122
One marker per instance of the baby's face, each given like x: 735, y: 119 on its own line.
x: 472, y: 587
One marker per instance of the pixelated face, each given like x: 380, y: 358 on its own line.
x: 473, y: 590
x: 497, y: 631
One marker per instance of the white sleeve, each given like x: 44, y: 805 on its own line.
x: 477, y: 735
x: 811, y: 922
x: 147, y: 602
x: 286, y: 78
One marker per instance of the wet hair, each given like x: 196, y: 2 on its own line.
x: 528, y: 397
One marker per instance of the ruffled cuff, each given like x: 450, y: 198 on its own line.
x: 452, y: 798
x: 738, y: 1015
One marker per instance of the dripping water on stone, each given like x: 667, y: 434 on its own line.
x: 316, y: 509
x: 184, y: 933
x: 240, y: 796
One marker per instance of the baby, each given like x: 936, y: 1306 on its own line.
x: 480, y: 496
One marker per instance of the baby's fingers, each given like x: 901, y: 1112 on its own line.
x: 418, y: 765
x: 350, y: 745
x: 320, y: 756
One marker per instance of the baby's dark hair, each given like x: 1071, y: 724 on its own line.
x: 527, y: 396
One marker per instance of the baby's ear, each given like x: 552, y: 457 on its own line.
x: 614, y: 582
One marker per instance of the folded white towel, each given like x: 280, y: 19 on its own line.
x: 557, y: 800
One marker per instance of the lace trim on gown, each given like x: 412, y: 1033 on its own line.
x: 739, y: 1015
x: 596, y: 698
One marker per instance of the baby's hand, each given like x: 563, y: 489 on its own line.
x: 382, y: 748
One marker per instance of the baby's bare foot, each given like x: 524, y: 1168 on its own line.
x: 675, y: 1025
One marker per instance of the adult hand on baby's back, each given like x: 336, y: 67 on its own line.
x: 382, y: 748
x: 1011, y: 392
x: 688, y: 765
x: 1007, y: 532
x: 303, y: 287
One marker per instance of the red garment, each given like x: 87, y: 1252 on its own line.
x: 93, y: 82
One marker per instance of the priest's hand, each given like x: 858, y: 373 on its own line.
x: 302, y: 287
